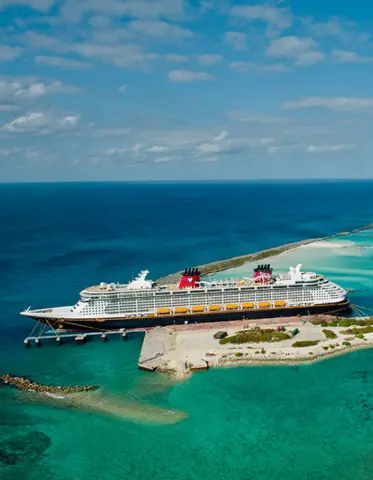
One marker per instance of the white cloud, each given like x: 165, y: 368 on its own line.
x: 26, y: 122
x: 121, y: 55
x: 122, y: 88
x: 209, y: 148
x: 68, y: 121
x: 302, y: 50
x: 115, y: 151
x: 221, y: 136
x: 40, y: 122
x: 207, y: 60
x: 159, y: 29
x: 119, y: 8
x: 8, y: 53
x: 175, y: 58
x: 42, y: 5
x: 236, y: 40
x: 347, y: 104
x: 170, y: 158
x: 246, y: 117
x: 157, y: 149
x: 345, y: 56
x: 346, y: 31
x: 13, y: 92
x: 276, y: 18
x: 328, y: 148
x: 188, y: 76
x: 62, y: 62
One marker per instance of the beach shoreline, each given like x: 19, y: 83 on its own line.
x: 233, y: 262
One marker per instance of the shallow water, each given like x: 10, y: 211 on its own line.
x: 306, y: 422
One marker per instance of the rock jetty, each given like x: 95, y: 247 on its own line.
x: 27, y: 385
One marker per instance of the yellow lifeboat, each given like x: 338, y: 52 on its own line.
x: 198, y: 308
x: 214, y: 308
x: 280, y: 303
x: 231, y: 306
x: 248, y: 305
x: 181, y: 309
x: 264, y: 304
x: 163, y: 311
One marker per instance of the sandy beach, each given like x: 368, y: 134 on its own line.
x: 184, y: 349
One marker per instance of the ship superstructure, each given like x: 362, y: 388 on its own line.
x: 142, y: 303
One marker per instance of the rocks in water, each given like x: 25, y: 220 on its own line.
x: 21, y: 448
x: 27, y: 385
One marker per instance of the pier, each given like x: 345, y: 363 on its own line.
x: 79, y: 337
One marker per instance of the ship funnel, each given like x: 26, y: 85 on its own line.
x: 190, y: 278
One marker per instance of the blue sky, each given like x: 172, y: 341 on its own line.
x: 185, y: 89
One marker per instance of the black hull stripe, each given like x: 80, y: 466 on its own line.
x: 164, y: 320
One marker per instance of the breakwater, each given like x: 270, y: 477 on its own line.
x: 27, y: 385
x: 221, y: 265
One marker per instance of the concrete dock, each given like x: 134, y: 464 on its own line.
x: 152, y: 349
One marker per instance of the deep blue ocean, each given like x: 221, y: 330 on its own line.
x: 250, y: 423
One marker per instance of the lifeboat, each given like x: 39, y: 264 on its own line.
x: 180, y: 309
x: 231, y: 306
x: 198, y: 308
x: 248, y: 305
x: 264, y: 304
x: 280, y: 303
x: 214, y: 308
x: 163, y: 311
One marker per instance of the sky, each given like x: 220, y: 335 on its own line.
x: 131, y: 90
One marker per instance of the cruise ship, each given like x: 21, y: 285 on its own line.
x: 142, y: 303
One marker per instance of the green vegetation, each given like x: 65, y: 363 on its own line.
x: 329, y: 333
x: 238, y: 354
x: 305, y: 343
x: 343, y: 322
x: 331, y: 346
x: 357, y: 331
x: 360, y: 336
x: 255, y: 336
x: 346, y: 344
x: 325, y: 348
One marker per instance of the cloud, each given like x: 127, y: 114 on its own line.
x: 170, y: 158
x: 328, y: 148
x: 157, y: 149
x: 188, y: 76
x: 209, y: 148
x: 344, y: 56
x: 221, y: 136
x: 62, y: 62
x: 121, y: 55
x: 246, y: 117
x: 236, y: 40
x: 42, y: 5
x: 15, y: 92
x: 159, y: 29
x: 8, y: 53
x: 347, y: 104
x: 135, y: 8
x: 40, y: 122
x: 277, y: 18
x: 175, y: 58
x: 122, y: 88
x: 207, y: 60
x: 302, y: 50
x: 346, y: 31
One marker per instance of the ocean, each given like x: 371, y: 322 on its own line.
x: 311, y: 422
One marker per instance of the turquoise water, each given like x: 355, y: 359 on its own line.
x: 302, y: 422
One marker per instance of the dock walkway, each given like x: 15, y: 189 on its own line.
x: 152, y: 349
